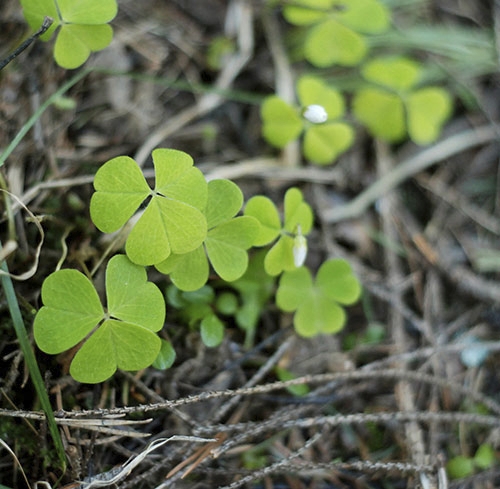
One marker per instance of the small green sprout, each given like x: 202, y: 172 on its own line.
x: 461, y: 466
x: 173, y: 221
x: 197, y: 309
x: 396, y: 106
x: 122, y: 336
x: 317, y: 304
x: 336, y: 28
x: 226, y: 243
x: 290, y: 248
x: 325, y: 136
x: 82, y: 26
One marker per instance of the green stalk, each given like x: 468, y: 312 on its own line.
x: 30, y: 359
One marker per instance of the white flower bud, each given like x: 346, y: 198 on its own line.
x: 315, y: 114
x: 299, y: 249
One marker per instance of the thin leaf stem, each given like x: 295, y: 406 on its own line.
x: 31, y: 362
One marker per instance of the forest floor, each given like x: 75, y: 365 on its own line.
x: 412, y: 380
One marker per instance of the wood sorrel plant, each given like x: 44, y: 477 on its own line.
x: 186, y: 226
x: 81, y: 26
x: 389, y: 97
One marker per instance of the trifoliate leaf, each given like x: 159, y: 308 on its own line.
x: 82, y: 26
x: 264, y: 210
x: 281, y: 122
x: 121, y: 338
x: 381, y: 112
x: 173, y: 221
x: 317, y: 303
x: 427, y: 110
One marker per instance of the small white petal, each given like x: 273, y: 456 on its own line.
x: 315, y: 114
x: 299, y: 250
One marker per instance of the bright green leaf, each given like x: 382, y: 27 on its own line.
x: 227, y: 243
x: 381, y: 112
x: 484, y: 458
x: 75, y: 42
x: 90, y: 12
x: 317, y: 303
x: 224, y: 201
x: 128, y: 291
x: 318, y: 315
x: 212, y: 330
x: 397, y: 73
x: 366, y: 16
x: 312, y: 91
x: 330, y: 43
x: 120, y: 188
x: 459, y: 467
x: 72, y: 312
x: 166, y: 357
x: 427, y: 109
x: 294, y: 289
x: 173, y: 221
x: 115, y: 344
x: 82, y: 26
x: 336, y: 280
x: 281, y: 122
x: 297, y: 212
x: 264, y: 210
x: 280, y: 257
x: 178, y: 179
x: 35, y: 11
x: 188, y: 271
x: 306, y: 12
x: 324, y: 143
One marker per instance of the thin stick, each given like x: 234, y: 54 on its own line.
x: 47, y: 22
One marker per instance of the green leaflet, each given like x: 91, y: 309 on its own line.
x: 325, y: 135
x: 124, y: 337
x: 173, y: 221
x: 298, y: 220
x: 81, y: 25
x: 395, y: 106
x: 225, y: 245
x: 317, y: 304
